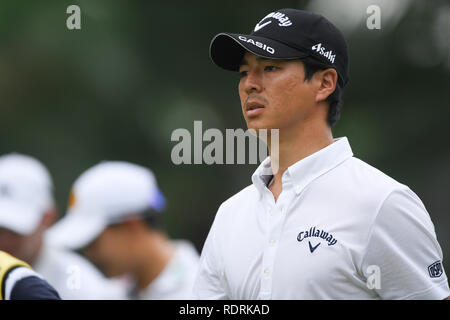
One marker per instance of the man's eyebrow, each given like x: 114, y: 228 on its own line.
x: 243, y: 62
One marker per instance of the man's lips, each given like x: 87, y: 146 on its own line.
x: 253, y: 108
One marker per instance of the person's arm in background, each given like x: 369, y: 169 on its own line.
x: 24, y: 284
x: 19, y: 282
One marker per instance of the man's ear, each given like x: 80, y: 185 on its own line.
x: 327, y: 83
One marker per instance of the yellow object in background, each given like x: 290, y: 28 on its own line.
x: 7, y: 262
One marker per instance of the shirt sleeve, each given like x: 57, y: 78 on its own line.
x: 403, y: 251
x: 25, y: 284
x: 209, y: 283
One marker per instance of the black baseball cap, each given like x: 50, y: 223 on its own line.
x: 285, y: 34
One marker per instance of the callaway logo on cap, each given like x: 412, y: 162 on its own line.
x: 285, y: 34
x: 281, y: 17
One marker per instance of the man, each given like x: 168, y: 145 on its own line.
x: 114, y: 218
x: 19, y: 282
x: 323, y: 224
x: 27, y: 209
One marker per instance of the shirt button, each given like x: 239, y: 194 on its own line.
x: 272, y: 242
x: 266, y: 271
x: 298, y: 188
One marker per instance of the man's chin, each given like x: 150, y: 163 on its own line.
x: 113, y: 273
x: 253, y: 125
x: 108, y: 271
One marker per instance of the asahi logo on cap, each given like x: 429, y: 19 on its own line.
x: 321, y: 50
x: 281, y: 17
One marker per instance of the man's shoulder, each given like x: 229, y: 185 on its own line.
x: 361, y: 185
x: 63, y: 261
x: 362, y: 173
x: 238, y: 200
x: 59, y: 265
x: 25, y: 284
x: 237, y: 203
x: 187, y: 251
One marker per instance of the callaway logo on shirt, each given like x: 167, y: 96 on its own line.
x: 313, y: 232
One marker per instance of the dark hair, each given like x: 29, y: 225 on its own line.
x: 151, y: 218
x: 334, y: 99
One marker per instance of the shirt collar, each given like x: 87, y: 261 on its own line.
x: 307, y: 169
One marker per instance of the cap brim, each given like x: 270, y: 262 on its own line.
x: 227, y: 49
x: 19, y: 218
x: 76, y: 230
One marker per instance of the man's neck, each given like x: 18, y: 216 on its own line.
x: 156, y: 256
x: 34, y: 259
x: 293, y: 146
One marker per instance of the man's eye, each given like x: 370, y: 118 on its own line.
x: 270, y: 68
x: 243, y: 73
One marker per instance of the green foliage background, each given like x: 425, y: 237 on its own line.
x: 137, y: 70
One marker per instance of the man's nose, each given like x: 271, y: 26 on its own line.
x: 253, y: 82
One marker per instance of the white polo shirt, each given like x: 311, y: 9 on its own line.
x: 176, y: 281
x: 74, y: 277
x: 340, y: 229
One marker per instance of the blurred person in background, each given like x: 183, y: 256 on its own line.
x: 27, y: 210
x: 114, y: 219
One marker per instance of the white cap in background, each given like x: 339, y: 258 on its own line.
x: 103, y: 195
x: 26, y: 193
